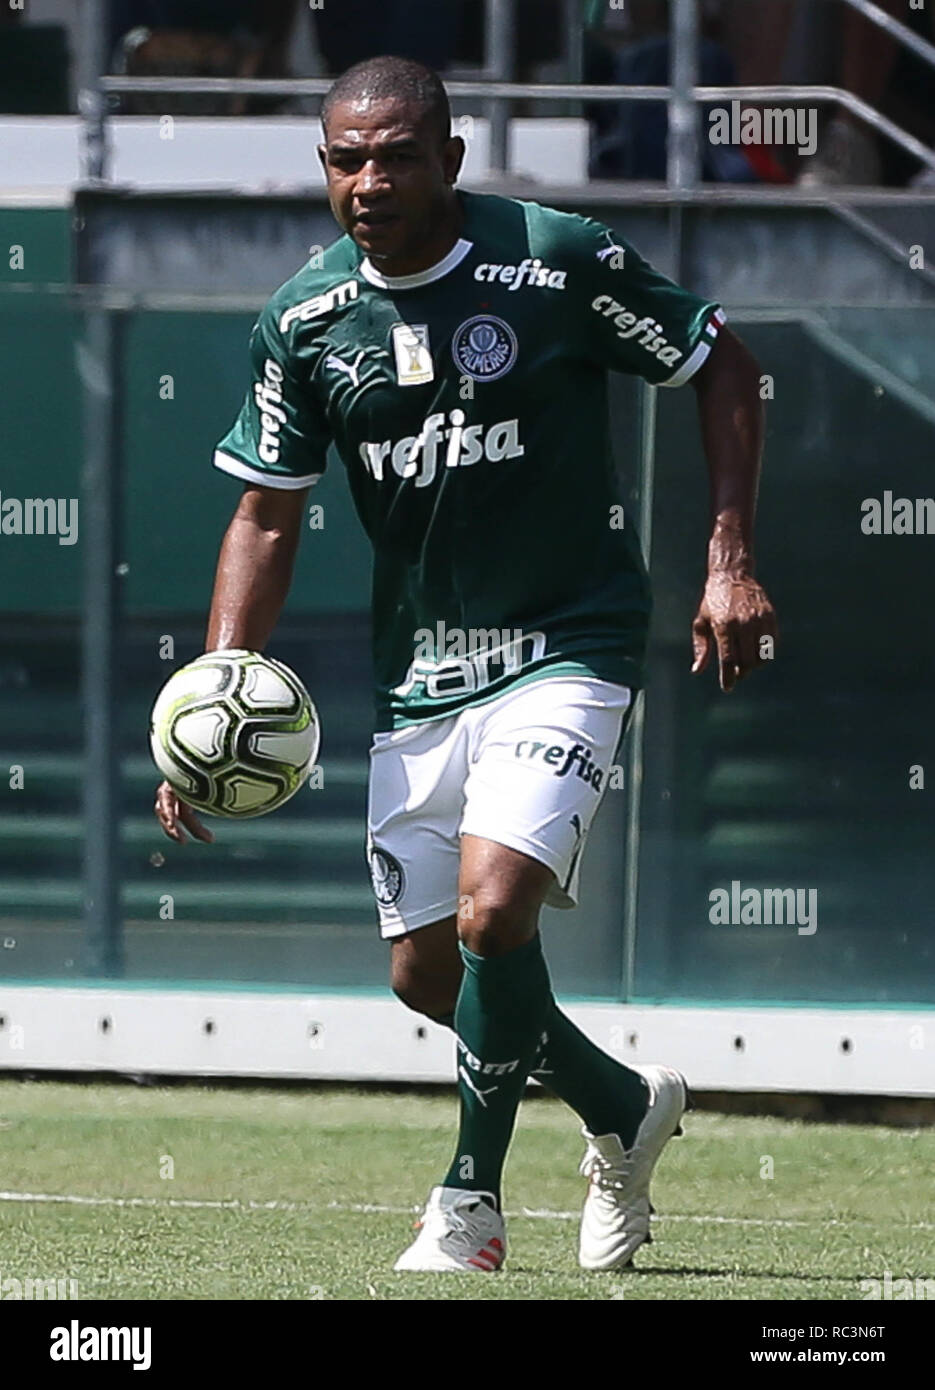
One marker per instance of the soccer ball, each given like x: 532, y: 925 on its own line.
x: 234, y: 733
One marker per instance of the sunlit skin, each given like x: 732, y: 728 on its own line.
x: 735, y: 613
x: 391, y: 185
x: 391, y: 182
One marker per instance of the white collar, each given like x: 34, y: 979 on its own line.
x: 421, y: 277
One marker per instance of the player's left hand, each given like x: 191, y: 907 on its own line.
x: 733, y: 616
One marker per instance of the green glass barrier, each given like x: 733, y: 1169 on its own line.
x: 801, y: 794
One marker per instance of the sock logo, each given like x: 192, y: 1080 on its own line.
x: 466, y: 1078
x: 562, y: 759
x: 487, y: 1069
x: 539, y: 1067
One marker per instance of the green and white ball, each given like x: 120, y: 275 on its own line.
x: 234, y: 733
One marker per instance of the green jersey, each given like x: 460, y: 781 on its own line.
x: 468, y: 404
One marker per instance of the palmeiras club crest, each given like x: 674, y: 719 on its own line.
x: 484, y: 347
x: 386, y: 874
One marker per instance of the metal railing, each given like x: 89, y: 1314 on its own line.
x: 683, y: 97
x: 905, y: 36
x: 684, y: 106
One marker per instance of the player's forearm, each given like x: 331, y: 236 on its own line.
x: 253, y: 575
x: 732, y: 421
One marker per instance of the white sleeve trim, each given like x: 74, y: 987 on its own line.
x: 697, y: 358
x: 228, y: 464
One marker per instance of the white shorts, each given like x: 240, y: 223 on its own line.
x: 527, y: 770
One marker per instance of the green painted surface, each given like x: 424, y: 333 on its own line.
x: 184, y: 377
x: 44, y: 237
x: 178, y: 504
x: 800, y: 779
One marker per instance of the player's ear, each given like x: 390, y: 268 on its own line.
x: 323, y: 156
x: 453, y: 157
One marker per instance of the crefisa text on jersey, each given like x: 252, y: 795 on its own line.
x: 268, y: 394
x: 461, y: 447
x: 628, y: 326
x: 528, y: 272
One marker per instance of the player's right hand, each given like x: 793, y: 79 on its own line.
x: 172, y: 813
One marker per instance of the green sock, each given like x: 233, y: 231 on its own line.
x: 609, y: 1097
x: 499, y: 1020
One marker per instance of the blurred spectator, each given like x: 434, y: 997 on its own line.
x: 876, y: 68
x: 632, y: 47
x: 249, y: 38
x: 33, y: 66
x: 849, y: 152
x: 781, y: 40
x: 351, y: 30
x: 910, y: 103
x: 763, y: 44
x: 199, y: 38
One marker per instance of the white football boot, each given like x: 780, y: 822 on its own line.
x: 615, y: 1220
x: 459, y: 1231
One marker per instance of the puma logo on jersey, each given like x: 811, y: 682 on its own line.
x: 526, y: 273
x: 628, y: 326
x: 351, y: 369
x: 321, y: 304
x: 443, y: 442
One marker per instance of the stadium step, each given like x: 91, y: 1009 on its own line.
x: 256, y: 897
x: 794, y: 784
x: 53, y: 769
x: 37, y: 830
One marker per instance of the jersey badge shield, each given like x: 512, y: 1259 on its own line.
x: 484, y: 347
x: 414, y: 363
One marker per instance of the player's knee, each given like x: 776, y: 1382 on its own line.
x: 496, y: 927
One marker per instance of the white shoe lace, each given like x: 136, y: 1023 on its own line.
x: 607, y: 1176
x: 447, y: 1223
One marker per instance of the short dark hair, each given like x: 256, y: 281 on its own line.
x: 379, y: 79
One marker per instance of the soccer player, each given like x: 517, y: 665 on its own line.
x: 455, y: 349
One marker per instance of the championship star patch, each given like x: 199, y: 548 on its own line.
x: 414, y: 363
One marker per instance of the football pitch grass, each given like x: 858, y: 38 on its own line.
x: 309, y: 1193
